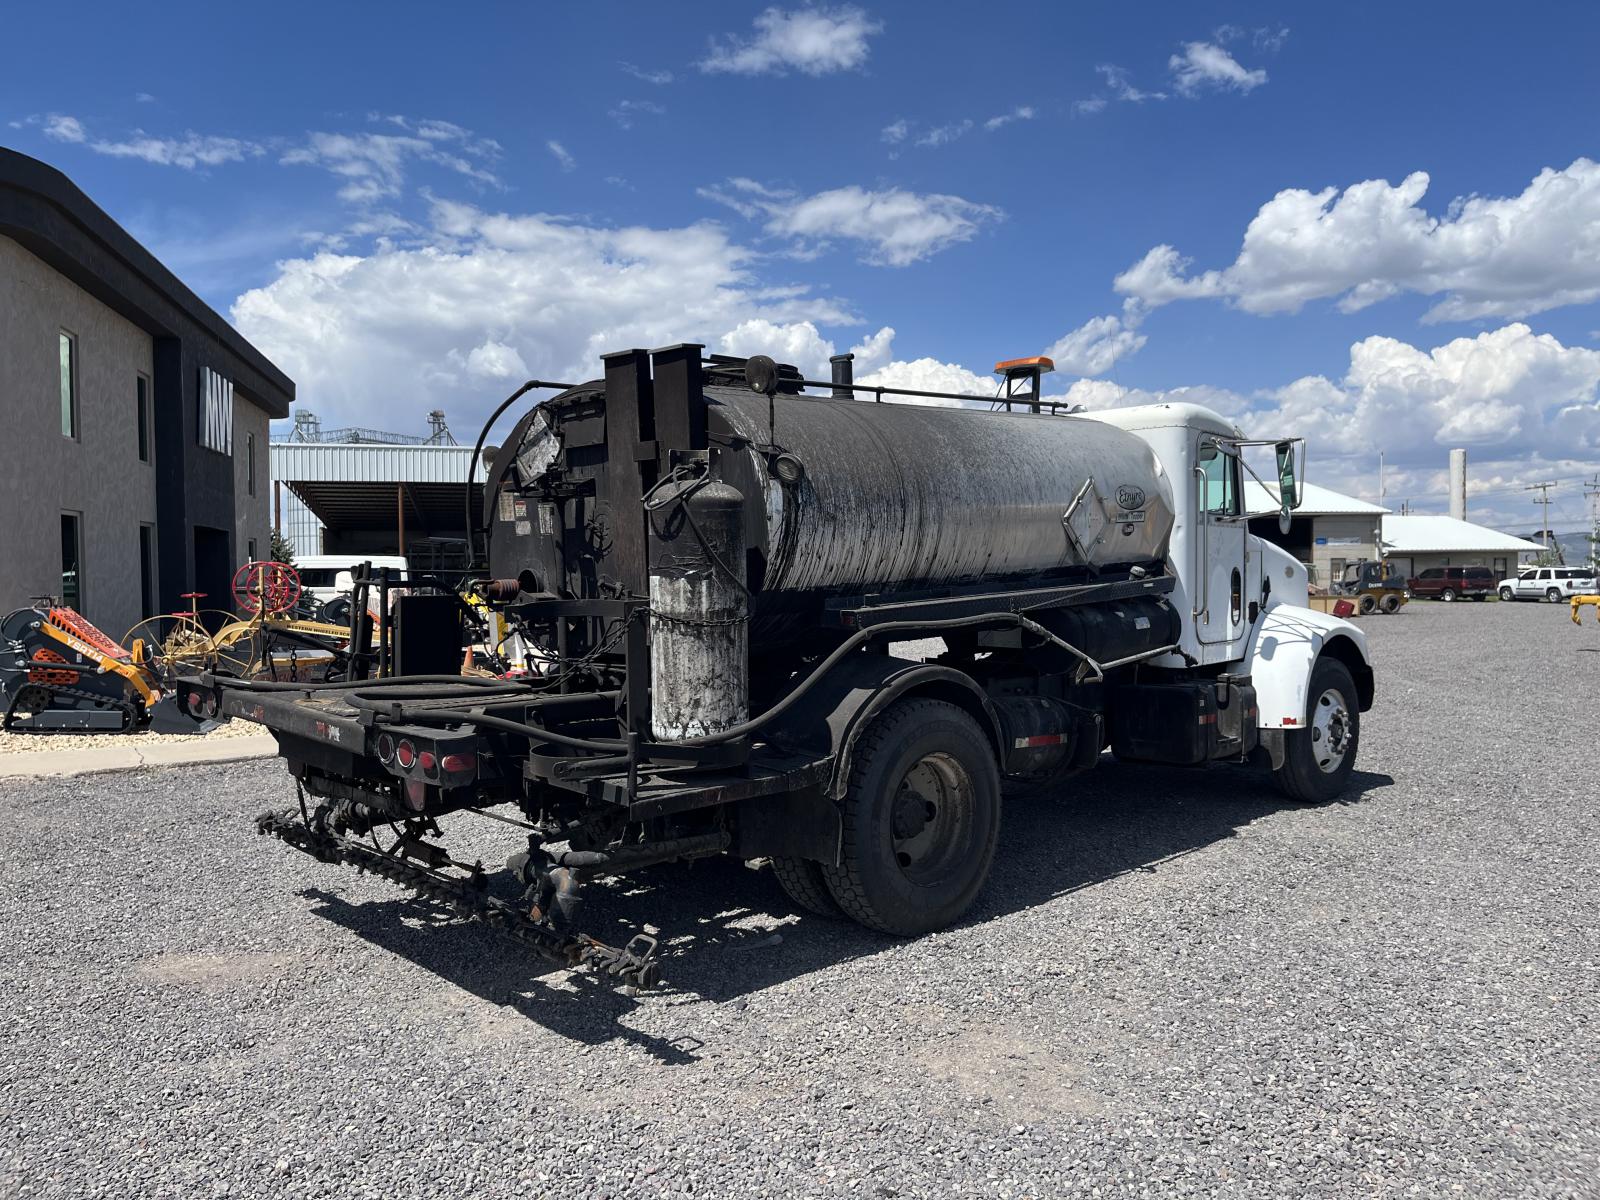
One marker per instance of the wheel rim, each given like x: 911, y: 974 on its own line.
x: 1552, y: 595
x: 1505, y: 593
x: 1447, y: 595
x: 930, y: 821
x: 1331, y: 731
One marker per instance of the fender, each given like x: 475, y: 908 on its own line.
x: 1283, y: 648
x: 841, y: 706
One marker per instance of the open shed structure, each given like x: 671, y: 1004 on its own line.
x: 375, y: 499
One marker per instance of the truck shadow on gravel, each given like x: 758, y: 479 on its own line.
x: 727, y: 930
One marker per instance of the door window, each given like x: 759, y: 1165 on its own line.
x: 1220, y: 484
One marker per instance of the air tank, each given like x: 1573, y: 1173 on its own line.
x: 699, y: 677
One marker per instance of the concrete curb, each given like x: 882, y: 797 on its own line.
x: 55, y: 764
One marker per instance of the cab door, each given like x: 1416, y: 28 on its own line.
x: 1219, y: 606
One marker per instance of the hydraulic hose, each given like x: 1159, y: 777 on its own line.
x: 860, y: 638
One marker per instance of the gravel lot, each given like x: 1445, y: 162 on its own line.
x: 1174, y: 985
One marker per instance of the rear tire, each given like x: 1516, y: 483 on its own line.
x: 802, y: 881
x: 1390, y: 604
x: 1318, y: 759
x: 1553, y: 595
x: 921, y: 820
x: 1507, y: 594
x: 1448, y: 595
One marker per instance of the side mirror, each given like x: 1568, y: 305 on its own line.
x: 1288, y: 486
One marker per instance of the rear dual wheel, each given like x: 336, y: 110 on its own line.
x: 921, y: 820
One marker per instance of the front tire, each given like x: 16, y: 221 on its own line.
x: 1318, y: 759
x: 1507, y: 594
x: 1367, y: 605
x: 921, y: 820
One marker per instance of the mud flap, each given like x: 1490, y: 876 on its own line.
x: 168, y: 717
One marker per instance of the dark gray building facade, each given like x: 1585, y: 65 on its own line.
x: 134, y: 418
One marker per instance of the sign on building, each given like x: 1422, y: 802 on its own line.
x: 216, y: 412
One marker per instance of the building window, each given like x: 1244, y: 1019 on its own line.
x: 147, y: 571
x: 251, y: 552
x: 69, y: 384
x: 141, y: 387
x: 72, y: 560
x: 250, y: 464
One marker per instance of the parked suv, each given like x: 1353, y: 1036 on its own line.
x: 1452, y: 583
x: 1548, y: 583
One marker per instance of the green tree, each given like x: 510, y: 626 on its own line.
x: 281, y: 548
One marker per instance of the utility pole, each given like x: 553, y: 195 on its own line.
x: 1591, y: 492
x: 1544, y: 499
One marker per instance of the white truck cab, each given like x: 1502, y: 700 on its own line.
x: 1243, y: 599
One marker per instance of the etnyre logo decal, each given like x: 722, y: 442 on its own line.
x: 1129, y: 496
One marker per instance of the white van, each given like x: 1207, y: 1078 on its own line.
x: 327, y: 576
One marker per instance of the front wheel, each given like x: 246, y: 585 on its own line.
x: 1447, y: 595
x: 1553, y: 595
x: 1507, y: 594
x: 1318, y: 759
x: 1367, y: 605
x: 921, y: 819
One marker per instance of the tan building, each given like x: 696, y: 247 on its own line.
x: 136, y: 418
x: 1328, y: 530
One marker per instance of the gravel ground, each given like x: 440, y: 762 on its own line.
x: 1174, y: 985
x: 27, y: 743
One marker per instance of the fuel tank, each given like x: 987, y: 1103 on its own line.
x: 846, y: 498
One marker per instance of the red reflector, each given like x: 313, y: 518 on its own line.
x: 1040, y: 739
x: 406, y: 755
x: 455, y: 763
x: 428, y: 761
x: 416, y: 794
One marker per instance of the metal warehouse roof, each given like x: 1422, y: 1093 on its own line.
x: 356, y: 486
x: 1413, y: 534
x: 1316, y: 501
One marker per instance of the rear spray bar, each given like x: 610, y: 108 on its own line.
x: 634, y: 964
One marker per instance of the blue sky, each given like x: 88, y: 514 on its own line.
x: 409, y: 210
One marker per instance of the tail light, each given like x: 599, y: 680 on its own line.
x: 458, y: 763
x: 428, y: 762
x: 405, y: 754
x: 385, y: 749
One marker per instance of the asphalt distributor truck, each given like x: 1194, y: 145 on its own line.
x: 708, y: 566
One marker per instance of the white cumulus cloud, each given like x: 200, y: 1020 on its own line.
x: 187, y: 150
x: 477, y: 294
x: 1203, y: 65
x: 801, y: 345
x: 894, y: 227
x: 813, y: 41
x: 1486, y: 256
x: 1095, y: 346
